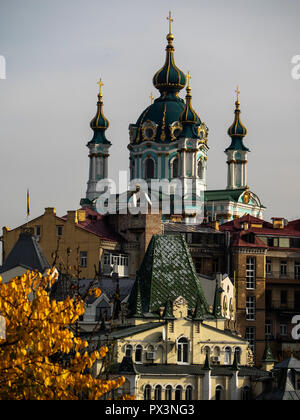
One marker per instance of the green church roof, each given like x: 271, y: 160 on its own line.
x: 99, y: 123
x: 237, y: 131
x: 167, y: 272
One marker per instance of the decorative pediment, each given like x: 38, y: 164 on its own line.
x: 180, y: 307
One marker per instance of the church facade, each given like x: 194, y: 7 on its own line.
x: 169, y: 141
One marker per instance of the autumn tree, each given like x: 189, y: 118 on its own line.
x: 39, y: 329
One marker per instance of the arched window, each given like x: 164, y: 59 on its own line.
x: 138, y: 353
x: 182, y: 350
x: 238, y: 353
x: 157, y: 392
x: 149, y: 168
x: 189, y: 393
x: 219, y: 393
x: 174, y: 168
x: 200, y: 170
x: 178, y: 393
x: 147, y: 392
x: 168, y: 395
x: 227, y: 356
x: 246, y: 393
x: 128, y: 351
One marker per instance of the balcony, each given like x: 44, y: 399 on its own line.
x: 279, y: 275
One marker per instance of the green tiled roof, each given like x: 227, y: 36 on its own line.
x: 223, y: 195
x: 166, y: 273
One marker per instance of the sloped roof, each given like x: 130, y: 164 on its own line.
x: 167, y: 272
x: 26, y: 253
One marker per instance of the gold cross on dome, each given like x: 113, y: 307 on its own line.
x: 151, y: 98
x: 169, y: 18
x: 189, y: 79
x: 100, y: 83
x: 237, y: 91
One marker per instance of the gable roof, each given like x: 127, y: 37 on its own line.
x: 26, y: 253
x: 167, y: 272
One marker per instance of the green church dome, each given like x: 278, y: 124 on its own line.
x: 237, y: 131
x: 99, y: 123
x: 160, y: 122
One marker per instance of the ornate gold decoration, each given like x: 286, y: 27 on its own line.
x: 247, y: 197
x: 151, y: 98
x: 163, y: 134
x: 237, y: 93
x: 173, y: 127
x: 149, y: 130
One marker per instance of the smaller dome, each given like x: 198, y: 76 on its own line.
x: 189, y: 116
x: 99, y: 123
x: 237, y: 129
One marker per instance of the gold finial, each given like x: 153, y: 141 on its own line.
x: 237, y: 91
x: 169, y: 18
x: 100, y: 83
x: 189, y: 79
x: 151, y: 98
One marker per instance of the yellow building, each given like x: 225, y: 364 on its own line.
x: 173, y: 347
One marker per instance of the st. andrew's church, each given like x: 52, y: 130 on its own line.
x: 169, y: 141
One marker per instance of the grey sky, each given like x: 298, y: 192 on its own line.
x: 57, y: 50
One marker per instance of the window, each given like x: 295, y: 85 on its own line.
x: 138, y: 353
x: 128, y: 351
x: 149, y: 168
x: 147, y: 392
x: 38, y: 231
x: 283, y: 268
x: 171, y: 326
x: 59, y: 230
x: 219, y: 392
x: 250, y: 272
x: 182, y: 350
x: 83, y: 259
x: 174, y: 169
x: 178, y: 393
x: 250, y: 337
x: 283, y: 297
x: 238, y: 353
x: 157, y: 392
x: 189, y: 393
x: 227, y: 356
x: 118, y: 259
x: 250, y: 308
x: 268, y: 267
x: 103, y: 311
x: 283, y: 329
x: 168, y: 393
x: 268, y: 329
x: 297, y: 271
x: 200, y: 170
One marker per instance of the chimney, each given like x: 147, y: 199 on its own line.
x: 72, y: 216
x: 81, y: 215
x: 50, y: 211
x: 278, y: 222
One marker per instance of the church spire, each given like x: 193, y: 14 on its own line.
x: 189, y: 117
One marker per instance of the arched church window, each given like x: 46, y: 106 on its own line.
x: 138, y: 353
x: 149, y: 168
x: 189, y: 393
x: 174, y: 168
x: 178, y: 393
x: 157, y: 392
x: 147, y: 392
x: 182, y: 350
x: 200, y: 171
x: 227, y: 356
x: 219, y: 392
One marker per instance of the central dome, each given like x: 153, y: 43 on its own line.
x: 169, y: 77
